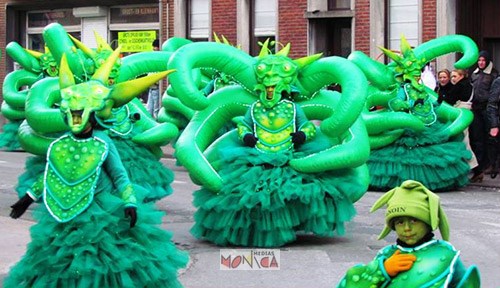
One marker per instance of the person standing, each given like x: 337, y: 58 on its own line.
x: 444, y: 85
x: 153, y: 103
x: 480, y: 139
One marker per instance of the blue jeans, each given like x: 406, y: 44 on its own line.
x: 153, y: 104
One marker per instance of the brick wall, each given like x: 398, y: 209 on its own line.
x: 428, y: 20
x: 292, y: 26
x: 3, y: 65
x: 362, y: 26
x: 224, y: 19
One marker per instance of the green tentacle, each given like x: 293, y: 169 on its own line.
x: 174, y: 43
x: 448, y: 44
x: 12, y: 84
x: 33, y: 142
x: 41, y: 107
x: 384, y: 139
x: 21, y: 56
x: 221, y: 57
x: 202, y: 130
x: 59, y: 43
x: 377, y: 73
x: 354, y: 85
x: 378, y: 122
x: 11, y: 113
x: 142, y: 63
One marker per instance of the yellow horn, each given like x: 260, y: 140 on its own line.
x: 264, y: 51
x: 284, y: 51
x: 304, y: 61
x: 86, y: 50
x: 34, y: 53
x: 124, y: 92
x: 101, y: 43
x: 102, y: 74
x: 66, y: 77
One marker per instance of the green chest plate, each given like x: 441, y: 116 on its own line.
x: 73, y: 168
x: 274, y: 125
x: 431, y: 269
x: 119, y: 122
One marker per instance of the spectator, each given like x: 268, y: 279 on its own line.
x: 153, y: 103
x: 444, y: 85
x: 480, y: 139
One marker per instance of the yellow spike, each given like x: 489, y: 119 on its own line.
x: 34, y: 53
x: 405, y: 46
x: 124, y: 92
x: 216, y: 38
x: 102, y: 74
x: 101, y: 43
x: 66, y: 77
x: 224, y: 40
x: 284, y: 51
x: 304, y: 61
x: 391, y: 54
x: 264, y: 51
x: 86, y: 50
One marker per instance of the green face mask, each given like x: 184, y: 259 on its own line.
x: 410, y: 230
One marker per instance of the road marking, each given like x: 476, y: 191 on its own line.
x: 179, y: 182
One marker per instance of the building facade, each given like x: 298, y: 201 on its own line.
x: 333, y: 27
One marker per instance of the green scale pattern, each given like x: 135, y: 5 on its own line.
x: 73, y: 169
x: 274, y: 125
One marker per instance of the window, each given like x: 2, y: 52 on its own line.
x: 37, y: 20
x: 264, y: 23
x: 339, y: 5
x: 198, y: 20
x: 404, y: 20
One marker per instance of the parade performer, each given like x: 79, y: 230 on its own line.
x: 418, y: 259
x: 412, y: 136
x: 136, y: 135
x: 82, y: 237
x: 277, y: 174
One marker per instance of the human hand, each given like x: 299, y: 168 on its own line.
x: 250, y: 140
x: 398, y: 263
x: 20, y: 206
x: 132, y: 213
x: 298, y: 137
x: 494, y: 131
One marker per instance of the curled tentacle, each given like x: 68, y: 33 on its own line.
x: 42, y: 112
x: 11, y: 113
x: 202, y: 130
x: 33, y: 142
x: 21, y: 56
x: 354, y: 84
x: 377, y: 73
x: 59, y: 43
x: 434, y: 48
x: 379, y: 122
x: 223, y: 58
x: 138, y: 64
x: 460, y: 118
x: 12, y: 85
x: 384, y: 139
x: 349, y: 149
x: 174, y: 43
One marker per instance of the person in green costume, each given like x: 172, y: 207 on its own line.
x: 418, y: 259
x: 83, y: 237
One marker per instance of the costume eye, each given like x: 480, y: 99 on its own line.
x: 261, y: 67
x: 287, y: 67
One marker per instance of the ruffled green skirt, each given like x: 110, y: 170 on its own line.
x: 264, y: 202
x: 428, y: 157
x: 144, y: 169
x: 99, y: 249
x: 8, y: 137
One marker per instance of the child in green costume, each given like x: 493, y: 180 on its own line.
x: 417, y: 259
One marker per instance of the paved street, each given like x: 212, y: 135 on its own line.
x: 473, y: 213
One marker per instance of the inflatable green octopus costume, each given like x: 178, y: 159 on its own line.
x: 277, y: 174
x: 82, y: 237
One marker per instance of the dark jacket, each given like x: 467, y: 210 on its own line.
x: 442, y: 92
x: 481, y: 81
x: 492, y: 110
x: 461, y: 91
